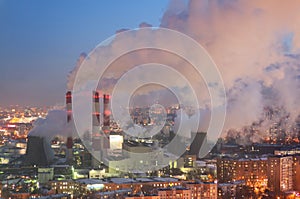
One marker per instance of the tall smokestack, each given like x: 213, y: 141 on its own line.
x: 69, y: 144
x: 69, y: 105
x: 96, y: 109
x: 96, y: 137
x: 106, y: 114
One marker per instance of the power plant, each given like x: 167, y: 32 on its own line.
x: 38, y: 151
x: 106, y: 147
x: 96, y: 136
x: 200, y: 140
x: 69, y: 144
x: 69, y: 106
x: 100, y: 136
x: 96, y: 109
x: 106, y: 114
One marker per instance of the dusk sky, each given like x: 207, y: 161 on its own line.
x: 40, y: 41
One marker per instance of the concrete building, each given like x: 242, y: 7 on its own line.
x: 38, y: 151
x: 203, y: 190
x: 64, y: 187
x: 231, y: 190
x: 296, y: 173
x: 175, y: 193
x: 142, y: 197
x: 45, y: 174
x: 97, y: 173
x: 252, y: 171
x: 280, y: 174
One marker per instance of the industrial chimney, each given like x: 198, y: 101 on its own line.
x: 69, y: 144
x: 96, y: 136
x: 69, y: 105
x: 96, y: 109
x: 106, y: 114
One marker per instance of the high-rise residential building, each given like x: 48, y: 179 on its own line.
x: 226, y: 169
x: 280, y: 173
x: 252, y: 171
x: 296, y: 173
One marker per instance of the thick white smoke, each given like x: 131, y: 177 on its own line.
x: 72, y: 74
x: 55, y: 124
x: 255, y: 44
x: 256, y: 47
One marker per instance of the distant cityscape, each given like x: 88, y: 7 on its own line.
x: 65, y: 167
x: 165, y: 99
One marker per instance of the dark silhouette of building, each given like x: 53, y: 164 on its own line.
x: 197, y: 143
x: 36, y: 152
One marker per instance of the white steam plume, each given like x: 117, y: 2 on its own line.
x: 55, y: 124
x: 256, y: 45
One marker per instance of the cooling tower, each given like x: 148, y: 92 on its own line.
x: 38, y: 151
x: 199, y: 140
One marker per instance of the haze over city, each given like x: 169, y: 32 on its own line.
x: 193, y: 99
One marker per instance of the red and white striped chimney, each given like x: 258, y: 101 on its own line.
x: 69, y: 105
x: 106, y: 114
x: 69, y: 143
x: 96, y: 136
x: 96, y: 109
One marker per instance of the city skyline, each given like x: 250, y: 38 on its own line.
x: 189, y: 99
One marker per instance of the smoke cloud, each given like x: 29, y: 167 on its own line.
x: 255, y: 44
x: 55, y: 124
x: 72, y: 74
x: 256, y: 47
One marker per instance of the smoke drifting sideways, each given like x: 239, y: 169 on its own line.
x: 72, y: 75
x: 55, y: 124
x: 256, y: 46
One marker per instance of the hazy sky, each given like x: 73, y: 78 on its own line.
x: 41, y: 40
